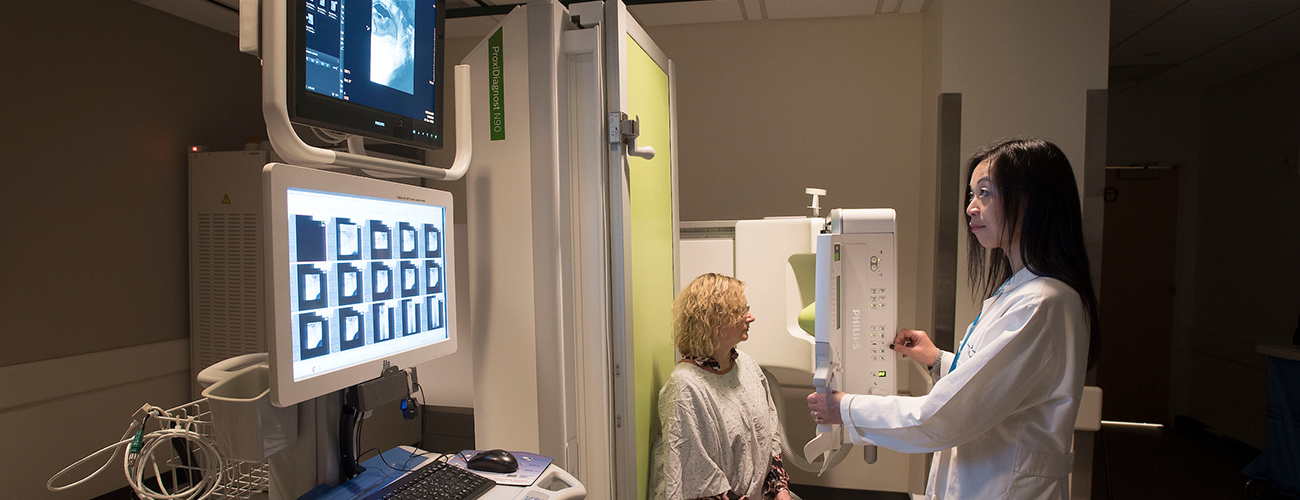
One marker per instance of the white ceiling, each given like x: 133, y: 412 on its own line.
x: 1155, y: 45
x: 666, y: 12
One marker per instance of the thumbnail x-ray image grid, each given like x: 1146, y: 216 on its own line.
x: 368, y: 278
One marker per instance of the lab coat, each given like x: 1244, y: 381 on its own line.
x: 1002, y: 423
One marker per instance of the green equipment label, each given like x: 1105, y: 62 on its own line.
x: 496, y: 88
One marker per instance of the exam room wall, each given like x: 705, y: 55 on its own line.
x: 109, y: 96
x: 1166, y: 128
x: 1023, y: 68
x: 1247, y: 267
x: 768, y: 108
x: 100, y: 99
x: 1236, y: 269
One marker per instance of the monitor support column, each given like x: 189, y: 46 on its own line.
x: 349, y: 436
x: 315, y: 459
x: 393, y: 384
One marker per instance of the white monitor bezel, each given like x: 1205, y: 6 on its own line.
x: 277, y: 179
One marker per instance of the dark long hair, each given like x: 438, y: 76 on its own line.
x: 1034, y: 174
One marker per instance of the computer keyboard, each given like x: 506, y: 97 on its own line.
x: 436, y: 481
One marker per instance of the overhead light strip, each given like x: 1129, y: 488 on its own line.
x: 501, y: 10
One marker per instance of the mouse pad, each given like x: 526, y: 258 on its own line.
x: 531, y: 465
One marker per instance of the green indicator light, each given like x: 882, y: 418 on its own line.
x: 837, y: 253
x: 880, y: 374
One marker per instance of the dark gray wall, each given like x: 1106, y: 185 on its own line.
x: 1248, y: 245
x: 1237, y: 146
x: 1166, y: 129
x: 100, y: 100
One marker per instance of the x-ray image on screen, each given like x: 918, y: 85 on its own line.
x: 432, y: 277
x: 410, y: 279
x: 381, y: 236
x: 348, y: 239
x: 349, y: 284
x: 410, y: 317
x: 392, y: 44
x: 410, y: 242
x: 433, y: 312
x: 383, y: 318
x: 312, y: 293
x: 309, y: 238
x: 351, y: 328
x: 381, y: 281
x: 313, y: 335
x: 432, y: 242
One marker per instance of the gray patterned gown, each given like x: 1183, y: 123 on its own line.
x: 720, y: 433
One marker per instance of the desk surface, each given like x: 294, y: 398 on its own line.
x: 1282, y: 351
x: 380, y: 472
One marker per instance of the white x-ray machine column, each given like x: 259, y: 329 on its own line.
x: 778, y: 259
x: 856, y: 315
x: 856, y: 260
x: 550, y: 238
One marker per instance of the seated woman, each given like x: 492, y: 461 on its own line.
x: 720, y: 429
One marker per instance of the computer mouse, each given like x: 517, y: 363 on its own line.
x: 493, y: 461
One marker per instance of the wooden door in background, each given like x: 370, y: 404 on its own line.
x: 1137, y: 293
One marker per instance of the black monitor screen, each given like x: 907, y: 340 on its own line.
x: 369, y: 67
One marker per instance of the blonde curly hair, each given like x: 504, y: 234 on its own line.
x: 708, y: 304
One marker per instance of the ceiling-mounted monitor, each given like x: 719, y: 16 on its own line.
x: 367, y: 67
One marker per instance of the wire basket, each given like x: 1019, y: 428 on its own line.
x: 236, y: 480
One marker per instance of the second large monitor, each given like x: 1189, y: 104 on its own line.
x: 368, y: 67
x: 359, y: 273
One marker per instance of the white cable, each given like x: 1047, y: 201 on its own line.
x: 135, y: 464
x: 330, y: 136
x: 116, y: 447
x: 210, y: 469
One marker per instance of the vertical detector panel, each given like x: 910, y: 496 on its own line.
x: 652, y: 247
x: 948, y: 210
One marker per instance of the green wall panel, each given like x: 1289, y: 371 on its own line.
x: 651, y: 186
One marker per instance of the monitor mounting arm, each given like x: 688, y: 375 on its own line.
x: 272, y: 47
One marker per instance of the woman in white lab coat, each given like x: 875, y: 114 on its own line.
x: 720, y: 431
x: 1000, y: 418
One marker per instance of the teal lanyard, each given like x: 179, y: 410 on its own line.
x: 972, y: 328
x: 963, y: 342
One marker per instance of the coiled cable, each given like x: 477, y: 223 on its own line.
x: 203, y: 463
